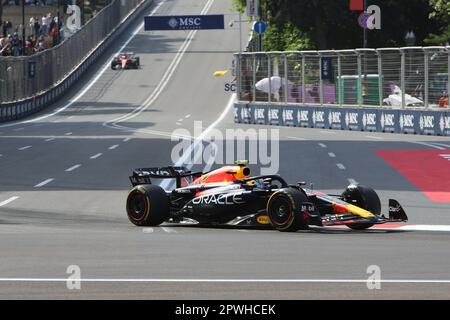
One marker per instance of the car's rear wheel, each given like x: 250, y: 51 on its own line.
x: 147, y: 205
x: 284, y: 210
x: 113, y: 66
x: 365, y: 198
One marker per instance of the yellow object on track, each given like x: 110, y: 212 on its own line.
x: 220, y: 73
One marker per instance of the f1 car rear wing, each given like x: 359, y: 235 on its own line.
x: 144, y: 175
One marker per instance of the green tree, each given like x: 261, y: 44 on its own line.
x: 329, y: 24
x: 440, y: 13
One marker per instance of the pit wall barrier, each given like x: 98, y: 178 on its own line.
x: 419, y: 122
x: 21, y: 109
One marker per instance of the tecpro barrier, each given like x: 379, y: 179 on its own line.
x: 421, y: 122
x: 20, y: 109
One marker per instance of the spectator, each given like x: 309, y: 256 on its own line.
x: 29, y: 44
x: 6, y: 48
x: 32, y: 22
x: 37, y: 27
x: 16, y: 45
x: 41, y: 44
x: 443, y: 101
x: 44, y: 26
x: 7, y: 27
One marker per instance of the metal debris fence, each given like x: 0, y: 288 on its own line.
x: 412, y: 77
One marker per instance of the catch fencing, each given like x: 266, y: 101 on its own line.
x: 414, y: 77
x: 27, y: 77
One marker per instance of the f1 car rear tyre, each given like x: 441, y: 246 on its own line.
x: 365, y: 198
x: 283, y: 209
x: 147, y: 205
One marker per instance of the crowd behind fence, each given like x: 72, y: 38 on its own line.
x: 25, y: 77
x: 414, y: 77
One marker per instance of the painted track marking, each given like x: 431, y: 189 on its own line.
x: 24, y: 148
x: 340, y: 166
x: 98, y: 155
x: 296, y: 138
x: 44, y: 183
x: 318, y: 281
x: 4, y: 203
x: 75, y: 167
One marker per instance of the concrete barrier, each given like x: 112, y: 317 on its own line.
x: 421, y: 122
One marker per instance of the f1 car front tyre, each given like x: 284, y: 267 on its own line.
x: 365, y: 198
x: 147, y: 205
x: 284, y: 210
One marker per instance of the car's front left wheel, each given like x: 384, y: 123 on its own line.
x: 365, y: 198
x: 284, y: 210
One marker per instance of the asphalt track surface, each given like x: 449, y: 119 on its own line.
x: 64, y: 181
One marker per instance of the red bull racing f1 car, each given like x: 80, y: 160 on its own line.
x: 126, y: 60
x: 230, y: 196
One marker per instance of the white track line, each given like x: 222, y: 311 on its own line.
x: 332, y: 155
x: 322, y: 145
x: 98, y: 155
x: 318, y: 281
x: 4, y: 203
x: 340, y: 166
x: 113, y: 147
x: 49, y: 139
x: 447, y: 146
x: 434, y: 228
x: 93, y: 81
x: 296, y: 138
x: 428, y: 145
x: 75, y: 167
x: 24, y: 148
x: 43, y: 183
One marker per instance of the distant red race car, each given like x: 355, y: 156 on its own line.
x: 126, y: 60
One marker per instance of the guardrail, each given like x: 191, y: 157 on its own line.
x: 398, y: 90
x: 32, y: 83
